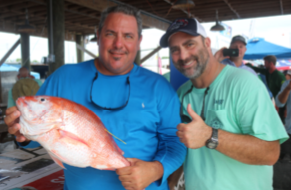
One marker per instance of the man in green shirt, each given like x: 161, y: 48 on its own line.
x: 228, y: 117
x: 275, y: 78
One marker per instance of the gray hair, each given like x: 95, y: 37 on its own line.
x: 126, y: 9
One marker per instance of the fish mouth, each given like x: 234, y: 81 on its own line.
x: 21, y: 102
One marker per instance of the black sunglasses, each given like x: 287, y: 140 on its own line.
x: 105, y: 108
x: 186, y: 118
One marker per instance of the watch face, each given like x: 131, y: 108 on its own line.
x: 211, y: 144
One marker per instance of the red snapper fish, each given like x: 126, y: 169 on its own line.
x: 70, y: 133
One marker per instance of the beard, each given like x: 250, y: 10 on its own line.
x: 194, y: 72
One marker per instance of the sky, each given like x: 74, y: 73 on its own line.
x: 276, y: 29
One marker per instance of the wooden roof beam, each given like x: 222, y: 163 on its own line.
x: 184, y: 11
x: 101, y: 5
x: 231, y: 8
x: 81, y: 26
x: 8, y: 3
x: 43, y: 2
x: 281, y: 6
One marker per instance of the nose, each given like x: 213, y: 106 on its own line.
x: 118, y: 43
x: 184, y: 54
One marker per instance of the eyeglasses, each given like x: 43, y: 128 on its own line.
x: 186, y: 118
x: 105, y: 108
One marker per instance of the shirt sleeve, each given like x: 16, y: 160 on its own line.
x: 32, y: 144
x: 278, y: 103
x: 171, y: 152
x: 256, y: 113
x: 10, y: 102
x: 258, y: 70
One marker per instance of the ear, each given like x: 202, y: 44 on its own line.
x: 207, y: 42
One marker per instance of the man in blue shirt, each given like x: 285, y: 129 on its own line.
x: 237, y: 42
x: 136, y: 105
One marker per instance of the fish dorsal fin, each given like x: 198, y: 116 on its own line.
x: 115, y: 137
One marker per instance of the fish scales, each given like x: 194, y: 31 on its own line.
x: 71, y: 133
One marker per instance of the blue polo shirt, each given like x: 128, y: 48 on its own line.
x: 242, y: 66
x: 147, y: 123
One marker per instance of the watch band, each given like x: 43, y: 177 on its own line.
x: 213, y: 141
x: 214, y: 133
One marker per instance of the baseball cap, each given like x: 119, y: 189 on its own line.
x: 188, y: 25
x: 238, y: 38
x: 287, y: 72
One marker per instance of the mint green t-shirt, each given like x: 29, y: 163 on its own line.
x: 237, y: 102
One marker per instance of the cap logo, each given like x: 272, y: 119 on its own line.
x: 178, y: 23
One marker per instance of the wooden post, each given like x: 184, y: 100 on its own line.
x: 137, y: 58
x: 80, y: 53
x: 86, y: 51
x: 10, y: 51
x: 56, y: 33
x: 25, y: 50
x: 150, y: 54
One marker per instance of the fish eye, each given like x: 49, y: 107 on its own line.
x: 42, y: 99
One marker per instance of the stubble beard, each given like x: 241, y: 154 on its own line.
x: 196, y: 71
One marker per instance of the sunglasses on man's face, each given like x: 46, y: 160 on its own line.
x: 186, y: 118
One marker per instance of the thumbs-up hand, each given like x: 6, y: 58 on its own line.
x: 194, y: 134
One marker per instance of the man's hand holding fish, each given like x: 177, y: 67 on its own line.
x: 136, y: 176
x: 12, y: 119
x: 93, y: 115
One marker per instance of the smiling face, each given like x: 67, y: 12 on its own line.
x: 118, y: 44
x: 189, y: 53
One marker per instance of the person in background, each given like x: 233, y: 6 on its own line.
x: 287, y: 74
x: 23, y: 79
x: 237, y: 42
x: 283, y: 99
x: 132, y: 102
x: 228, y: 117
x: 275, y: 78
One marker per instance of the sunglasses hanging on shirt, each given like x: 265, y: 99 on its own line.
x: 186, y: 118
x: 105, y: 108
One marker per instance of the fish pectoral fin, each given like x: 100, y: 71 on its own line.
x: 57, y: 161
x: 72, y: 136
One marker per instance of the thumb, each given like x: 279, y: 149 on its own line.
x: 132, y: 161
x: 192, y: 113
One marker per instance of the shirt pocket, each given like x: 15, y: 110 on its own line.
x: 219, y: 119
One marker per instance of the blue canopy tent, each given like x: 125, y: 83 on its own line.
x: 6, y: 68
x: 258, y: 48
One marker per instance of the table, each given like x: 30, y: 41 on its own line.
x: 30, y: 167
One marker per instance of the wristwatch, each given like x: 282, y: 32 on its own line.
x: 213, y: 141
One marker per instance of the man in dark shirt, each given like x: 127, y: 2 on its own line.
x: 275, y: 78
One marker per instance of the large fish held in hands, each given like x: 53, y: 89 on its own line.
x: 70, y: 133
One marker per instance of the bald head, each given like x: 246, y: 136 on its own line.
x: 23, y: 73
